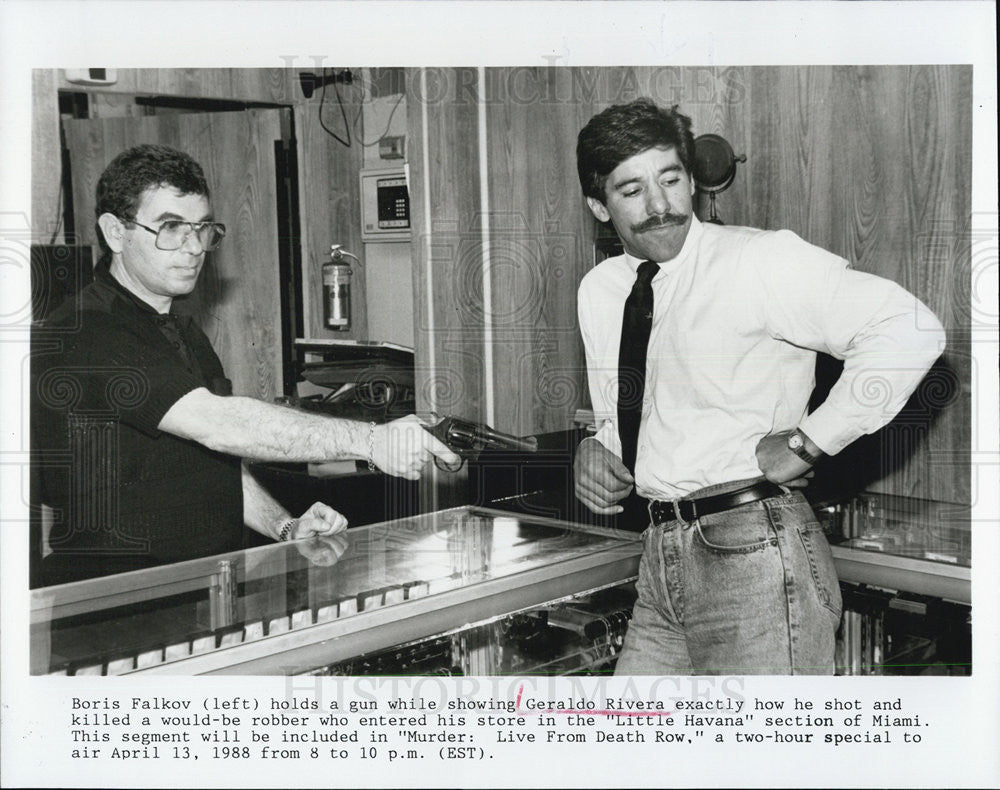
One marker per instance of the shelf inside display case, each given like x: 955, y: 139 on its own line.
x: 581, y: 634
x: 901, y: 526
x: 292, y: 607
x: 901, y: 543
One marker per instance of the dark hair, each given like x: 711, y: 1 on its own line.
x: 132, y: 172
x: 624, y: 130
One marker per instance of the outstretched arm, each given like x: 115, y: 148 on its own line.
x: 269, y: 432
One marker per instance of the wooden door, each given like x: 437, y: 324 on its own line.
x: 237, y: 301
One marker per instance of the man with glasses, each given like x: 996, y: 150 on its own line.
x: 142, y: 438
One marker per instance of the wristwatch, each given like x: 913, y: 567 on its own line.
x: 797, y: 444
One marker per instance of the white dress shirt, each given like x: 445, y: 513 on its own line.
x: 738, y: 317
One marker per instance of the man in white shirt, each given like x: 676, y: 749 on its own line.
x: 709, y: 420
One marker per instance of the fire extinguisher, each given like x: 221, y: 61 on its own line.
x: 337, y: 289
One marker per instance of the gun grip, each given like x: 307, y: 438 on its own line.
x: 439, y: 431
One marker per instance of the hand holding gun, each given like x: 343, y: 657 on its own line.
x: 469, y: 439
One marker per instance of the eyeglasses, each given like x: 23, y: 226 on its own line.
x: 173, y: 233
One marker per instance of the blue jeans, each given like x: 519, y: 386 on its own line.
x: 752, y: 590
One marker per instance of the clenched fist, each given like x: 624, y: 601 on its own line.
x: 602, y: 480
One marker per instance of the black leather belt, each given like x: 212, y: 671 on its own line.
x: 661, y: 511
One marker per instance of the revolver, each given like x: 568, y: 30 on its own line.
x: 469, y: 439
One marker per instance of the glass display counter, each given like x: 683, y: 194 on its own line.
x: 905, y: 569
x: 483, y: 591
x: 901, y: 543
x: 319, y: 604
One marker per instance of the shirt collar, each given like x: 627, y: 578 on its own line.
x: 102, y: 274
x: 691, y: 242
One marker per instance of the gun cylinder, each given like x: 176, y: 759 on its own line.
x: 528, y: 444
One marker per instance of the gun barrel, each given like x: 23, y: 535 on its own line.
x: 466, y: 437
x: 529, y: 444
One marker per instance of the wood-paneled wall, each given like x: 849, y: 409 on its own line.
x: 328, y: 172
x: 46, y: 164
x: 446, y: 250
x: 540, y: 236
x: 873, y: 163
x: 330, y: 205
x: 278, y: 85
x: 275, y: 85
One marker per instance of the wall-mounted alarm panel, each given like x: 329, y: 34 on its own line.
x: 385, y: 204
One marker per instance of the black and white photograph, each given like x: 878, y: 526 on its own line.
x: 433, y: 412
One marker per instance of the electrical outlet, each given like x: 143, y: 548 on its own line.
x: 392, y: 147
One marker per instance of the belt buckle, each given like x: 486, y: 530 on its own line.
x: 679, y: 510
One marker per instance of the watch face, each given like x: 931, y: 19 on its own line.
x: 794, y: 442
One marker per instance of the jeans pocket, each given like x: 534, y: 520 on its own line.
x: 736, y: 532
x: 824, y: 573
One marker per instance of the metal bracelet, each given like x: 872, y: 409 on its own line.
x: 285, y: 530
x: 371, y: 447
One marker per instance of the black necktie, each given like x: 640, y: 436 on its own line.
x: 637, y: 321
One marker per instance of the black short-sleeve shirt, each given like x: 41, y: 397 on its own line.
x: 106, y: 367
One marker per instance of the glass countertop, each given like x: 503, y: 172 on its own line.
x: 118, y: 624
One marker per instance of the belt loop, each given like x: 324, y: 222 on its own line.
x: 649, y: 509
x: 677, y: 511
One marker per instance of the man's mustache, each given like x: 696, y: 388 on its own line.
x: 660, y: 221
